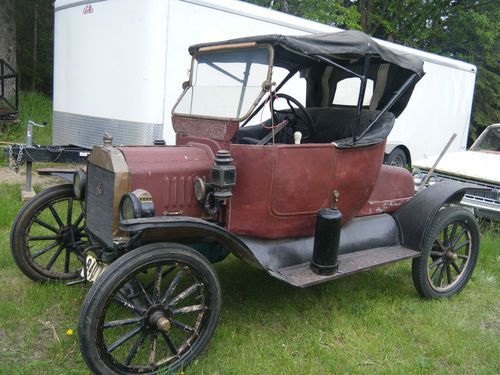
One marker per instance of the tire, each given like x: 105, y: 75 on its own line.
x: 127, y: 290
x: 46, y: 227
x: 449, y: 255
x: 397, y: 158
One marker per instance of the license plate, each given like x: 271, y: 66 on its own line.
x: 94, y: 268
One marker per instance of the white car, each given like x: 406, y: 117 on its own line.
x: 480, y: 165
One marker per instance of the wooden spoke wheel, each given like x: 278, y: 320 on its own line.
x: 449, y: 254
x: 154, y: 309
x: 48, y: 236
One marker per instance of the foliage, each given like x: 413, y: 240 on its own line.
x: 37, y: 107
x: 470, y: 32
x: 330, y: 12
x: 35, y: 40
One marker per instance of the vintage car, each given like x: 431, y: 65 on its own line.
x: 303, y: 196
x: 479, y: 165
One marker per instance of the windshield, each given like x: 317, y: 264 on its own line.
x: 226, y: 84
x: 488, y: 141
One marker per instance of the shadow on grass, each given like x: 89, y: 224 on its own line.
x: 245, y: 286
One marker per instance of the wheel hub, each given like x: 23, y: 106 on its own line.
x: 450, y: 256
x: 69, y: 235
x: 158, y: 320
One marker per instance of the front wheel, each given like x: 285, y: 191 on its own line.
x: 449, y: 255
x: 153, y: 310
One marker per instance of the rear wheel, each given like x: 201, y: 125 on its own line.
x: 154, y: 310
x: 48, y: 236
x: 449, y: 255
x: 397, y: 158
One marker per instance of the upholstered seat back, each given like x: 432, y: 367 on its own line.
x: 335, y: 124
x: 332, y: 124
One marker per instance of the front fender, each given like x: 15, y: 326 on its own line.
x: 415, y: 216
x: 182, y: 228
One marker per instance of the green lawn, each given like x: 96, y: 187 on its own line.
x: 32, y: 106
x: 369, y: 322
x: 38, y: 108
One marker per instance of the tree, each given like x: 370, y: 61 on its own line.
x: 331, y: 12
x: 336, y: 13
x: 35, y: 40
x: 8, y: 39
x: 469, y: 31
x: 281, y: 5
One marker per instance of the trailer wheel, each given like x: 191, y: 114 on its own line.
x: 48, y: 235
x: 397, y: 158
x: 449, y: 255
x: 153, y: 310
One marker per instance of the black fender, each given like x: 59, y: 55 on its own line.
x: 181, y: 228
x: 415, y: 216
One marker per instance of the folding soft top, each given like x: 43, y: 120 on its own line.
x: 291, y: 51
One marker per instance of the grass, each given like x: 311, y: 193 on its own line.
x: 370, y: 322
x: 33, y: 106
x: 37, y: 107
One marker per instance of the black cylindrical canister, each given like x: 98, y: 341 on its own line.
x: 326, y: 241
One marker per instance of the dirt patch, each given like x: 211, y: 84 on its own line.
x: 9, y: 176
x: 3, y: 341
x: 492, y: 324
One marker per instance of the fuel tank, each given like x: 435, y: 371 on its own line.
x: 168, y: 173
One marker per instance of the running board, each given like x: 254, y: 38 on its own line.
x: 302, y: 276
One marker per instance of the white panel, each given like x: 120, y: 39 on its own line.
x: 110, y: 63
x: 440, y: 106
x: 347, y: 92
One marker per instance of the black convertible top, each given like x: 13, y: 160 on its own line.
x: 314, y: 55
x: 291, y: 51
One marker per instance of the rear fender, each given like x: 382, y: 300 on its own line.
x: 415, y: 217
x: 187, y: 229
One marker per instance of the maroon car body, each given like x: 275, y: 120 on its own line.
x: 287, y: 197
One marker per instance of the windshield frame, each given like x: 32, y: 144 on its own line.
x: 481, y: 137
x: 223, y: 48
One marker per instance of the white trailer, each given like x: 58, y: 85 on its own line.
x: 119, y: 66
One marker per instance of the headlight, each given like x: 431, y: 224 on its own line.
x: 79, y: 181
x: 200, y: 189
x: 136, y: 204
x: 418, y: 177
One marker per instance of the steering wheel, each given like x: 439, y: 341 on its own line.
x: 301, y: 119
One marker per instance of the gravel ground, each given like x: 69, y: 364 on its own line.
x: 8, y: 175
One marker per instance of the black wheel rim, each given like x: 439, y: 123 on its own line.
x: 153, y: 318
x: 397, y: 161
x: 449, y: 257
x: 55, y: 238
